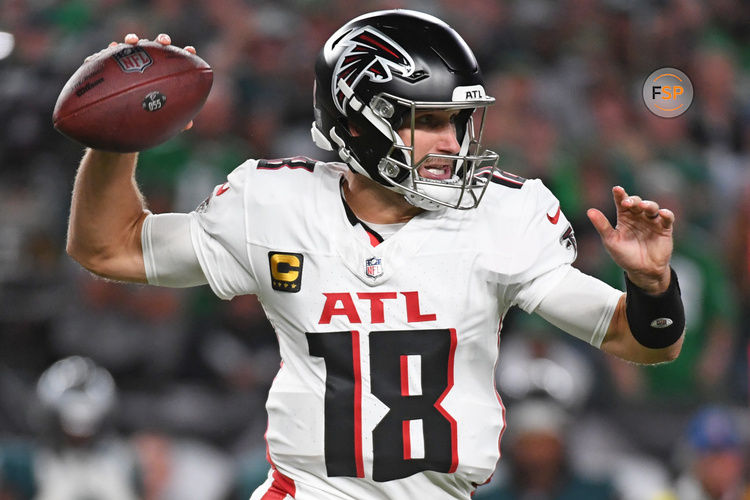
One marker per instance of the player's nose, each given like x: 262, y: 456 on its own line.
x: 448, y: 142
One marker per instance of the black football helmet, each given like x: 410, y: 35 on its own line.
x: 371, y: 79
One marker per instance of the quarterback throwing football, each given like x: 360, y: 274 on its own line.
x: 386, y: 276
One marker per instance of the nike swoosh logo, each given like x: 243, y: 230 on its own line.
x: 554, y: 218
x: 225, y: 187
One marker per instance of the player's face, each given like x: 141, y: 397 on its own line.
x: 434, y: 133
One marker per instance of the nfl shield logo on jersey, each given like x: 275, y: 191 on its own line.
x: 373, y: 267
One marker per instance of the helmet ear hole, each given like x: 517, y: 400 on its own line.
x: 354, y: 131
x: 399, y: 118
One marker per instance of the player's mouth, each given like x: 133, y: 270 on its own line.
x: 436, y: 171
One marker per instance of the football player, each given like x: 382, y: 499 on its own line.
x: 387, y: 274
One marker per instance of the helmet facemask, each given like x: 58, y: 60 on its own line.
x: 471, y: 167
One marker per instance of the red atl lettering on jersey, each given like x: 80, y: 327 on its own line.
x: 342, y: 304
x: 376, y: 304
x: 331, y: 308
x: 413, y: 313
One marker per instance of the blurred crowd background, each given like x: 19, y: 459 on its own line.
x: 162, y: 391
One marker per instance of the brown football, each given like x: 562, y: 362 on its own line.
x: 132, y: 97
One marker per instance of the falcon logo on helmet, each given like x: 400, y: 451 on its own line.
x: 370, y: 53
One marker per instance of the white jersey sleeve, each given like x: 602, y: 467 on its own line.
x: 168, y: 254
x: 532, y: 257
x: 545, y: 247
x: 218, y: 228
x: 581, y: 305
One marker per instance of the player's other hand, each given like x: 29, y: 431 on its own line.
x: 162, y: 38
x: 641, y: 241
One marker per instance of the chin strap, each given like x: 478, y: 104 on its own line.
x: 422, y: 202
x: 346, y: 155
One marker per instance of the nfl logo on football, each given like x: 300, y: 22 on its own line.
x: 133, y: 59
x: 373, y: 267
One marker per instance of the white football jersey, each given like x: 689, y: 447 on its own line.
x: 386, y: 389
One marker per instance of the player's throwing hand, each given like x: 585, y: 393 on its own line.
x: 641, y: 241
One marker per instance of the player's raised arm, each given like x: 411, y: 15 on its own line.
x: 108, y: 210
x: 649, y: 321
x: 106, y: 216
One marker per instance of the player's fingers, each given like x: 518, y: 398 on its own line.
x: 164, y: 39
x: 600, y: 222
x: 632, y: 203
x: 619, y: 194
x: 112, y: 44
x: 666, y: 218
x: 190, y: 49
x: 188, y: 126
x: 650, y: 209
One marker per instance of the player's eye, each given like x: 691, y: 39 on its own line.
x: 426, y: 119
x: 434, y: 120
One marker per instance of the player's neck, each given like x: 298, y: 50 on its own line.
x: 374, y: 203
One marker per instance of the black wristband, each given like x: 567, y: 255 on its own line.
x: 656, y: 321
